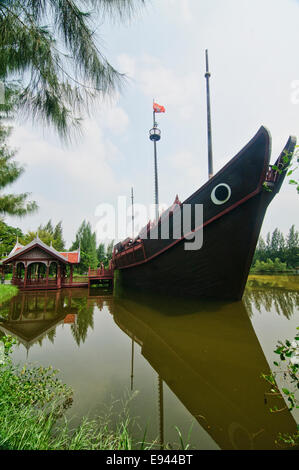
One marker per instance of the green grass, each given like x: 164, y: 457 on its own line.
x: 6, y: 292
x: 33, y: 402
x: 24, y: 429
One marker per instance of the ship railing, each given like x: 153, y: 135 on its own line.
x: 136, y: 246
x: 272, y: 174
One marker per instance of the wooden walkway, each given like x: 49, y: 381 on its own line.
x: 101, y: 277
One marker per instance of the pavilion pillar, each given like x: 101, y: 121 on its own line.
x: 14, y: 273
x: 47, y: 274
x: 58, y: 276
x: 64, y: 276
x: 71, y: 273
x: 25, y: 275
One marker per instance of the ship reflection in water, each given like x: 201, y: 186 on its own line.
x: 206, y: 354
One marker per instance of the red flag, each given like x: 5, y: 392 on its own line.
x: 158, y: 108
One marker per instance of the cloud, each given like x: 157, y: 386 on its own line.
x: 69, y: 182
x: 113, y: 117
x: 175, y: 89
x: 182, y: 9
x: 127, y: 65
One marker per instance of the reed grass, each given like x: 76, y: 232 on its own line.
x: 32, y: 406
x: 33, y: 402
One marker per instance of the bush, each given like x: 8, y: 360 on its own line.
x: 287, y: 373
x: 269, y: 266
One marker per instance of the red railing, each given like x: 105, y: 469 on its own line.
x: 96, y: 274
x: 100, y: 273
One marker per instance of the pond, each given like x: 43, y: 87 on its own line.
x: 174, y: 364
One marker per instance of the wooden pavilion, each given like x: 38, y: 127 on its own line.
x: 39, y: 266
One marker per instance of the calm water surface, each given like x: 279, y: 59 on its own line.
x: 191, y: 364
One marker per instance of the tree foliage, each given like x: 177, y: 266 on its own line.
x: 49, y: 48
x: 8, y: 238
x: 277, y: 249
x: 10, y: 171
x: 86, y: 240
x: 48, y: 234
x: 101, y: 253
x: 269, y: 266
x: 105, y: 253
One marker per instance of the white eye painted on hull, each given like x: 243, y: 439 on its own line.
x: 221, y: 194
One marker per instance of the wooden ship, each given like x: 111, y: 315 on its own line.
x: 234, y: 203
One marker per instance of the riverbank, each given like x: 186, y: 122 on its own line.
x: 7, y: 292
x: 32, y: 406
x: 285, y: 281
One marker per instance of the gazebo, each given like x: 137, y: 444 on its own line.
x: 39, y: 266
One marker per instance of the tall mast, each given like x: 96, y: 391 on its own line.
x: 132, y: 198
x: 210, y: 148
x: 155, y: 136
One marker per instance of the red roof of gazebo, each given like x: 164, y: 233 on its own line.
x: 19, y: 250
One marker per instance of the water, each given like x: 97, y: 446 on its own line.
x: 191, y: 364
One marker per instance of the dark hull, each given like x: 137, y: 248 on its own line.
x: 230, y: 233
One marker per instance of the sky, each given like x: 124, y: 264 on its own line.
x: 253, y: 49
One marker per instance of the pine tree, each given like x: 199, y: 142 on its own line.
x: 274, y: 251
x: 10, y: 171
x: 110, y: 251
x: 293, y: 248
x: 268, y: 246
x: 58, y: 237
x: 281, y: 242
x: 278, y: 247
x: 86, y: 239
x: 48, y: 227
x: 50, y: 47
x: 101, y: 253
x: 48, y: 234
x: 260, y: 252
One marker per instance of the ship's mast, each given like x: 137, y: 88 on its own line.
x: 155, y: 136
x: 132, y: 199
x: 210, y: 147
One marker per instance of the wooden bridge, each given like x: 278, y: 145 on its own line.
x: 100, y: 276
